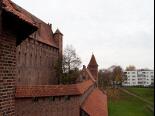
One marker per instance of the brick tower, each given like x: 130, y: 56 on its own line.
x: 93, y: 67
x: 58, y: 36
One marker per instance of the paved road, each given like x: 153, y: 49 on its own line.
x: 150, y: 104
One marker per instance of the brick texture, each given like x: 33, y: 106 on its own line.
x: 58, y: 106
x: 7, y: 74
x: 36, y: 63
x: 52, y: 106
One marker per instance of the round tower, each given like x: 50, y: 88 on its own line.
x: 58, y: 37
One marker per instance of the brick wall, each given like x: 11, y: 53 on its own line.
x: 35, y: 63
x: 52, y: 106
x: 48, y: 106
x: 7, y: 74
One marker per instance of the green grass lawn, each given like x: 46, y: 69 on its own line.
x: 126, y: 105
x: 147, y: 93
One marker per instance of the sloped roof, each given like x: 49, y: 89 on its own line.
x: 52, y: 90
x: 87, y: 74
x: 44, y: 33
x: 96, y: 104
x: 90, y: 75
x: 93, y: 61
x: 7, y: 5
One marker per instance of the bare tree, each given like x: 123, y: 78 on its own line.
x: 71, y: 60
x: 104, y: 78
x: 70, y: 65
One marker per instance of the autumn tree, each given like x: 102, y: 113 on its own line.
x: 117, y: 75
x: 111, y: 77
x: 131, y: 68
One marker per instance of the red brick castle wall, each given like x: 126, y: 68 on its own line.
x: 48, y: 106
x: 36, y: 63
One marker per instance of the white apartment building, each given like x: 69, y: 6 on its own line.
x: 139, y: 78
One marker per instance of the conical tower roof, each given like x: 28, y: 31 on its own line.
x: 58, y: 32
x: 93, y: 61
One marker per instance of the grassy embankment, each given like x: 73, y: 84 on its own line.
x: 146, y: 93
x: 122, y: 104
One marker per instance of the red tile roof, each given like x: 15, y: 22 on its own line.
x: 86, y: 73
x: 8, y: 7
x: 44, y: 33
x: 52, y: 90
x: 96, y: 104
x: 93, y: 60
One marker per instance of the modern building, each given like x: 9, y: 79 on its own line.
x: 28, y: 81
x: 139, y: 78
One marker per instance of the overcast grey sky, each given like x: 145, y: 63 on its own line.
x: 118, y: 32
